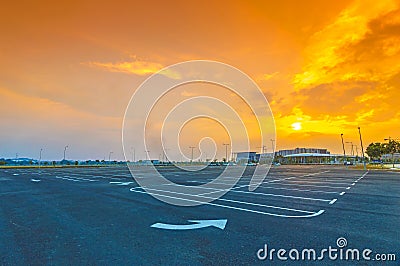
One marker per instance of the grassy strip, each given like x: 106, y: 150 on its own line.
x: 373, y: 167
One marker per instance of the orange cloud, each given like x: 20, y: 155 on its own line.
x: 140, y: 68
x: 352, y: 65
x: 135, y: 67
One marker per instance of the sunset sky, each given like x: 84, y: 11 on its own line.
x: 69, y: 68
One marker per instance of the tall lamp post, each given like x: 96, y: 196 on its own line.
x: 133, y: 154
x: 191, y: 147
x: 40, y: 158
x: 65, y: 150
x: 362, y: 149
x: 273, y: 149
x: 147, y: 154
x: 344, y: 151
x: 165, y: 157
x: 226, y: 150
x: 109, y: 157
x: 352, y: 151
x: 351, y: 145
x: 263, y: 153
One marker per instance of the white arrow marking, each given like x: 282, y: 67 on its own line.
x: 197, y: 224
x: 124, y: 183
x: 121, y: 183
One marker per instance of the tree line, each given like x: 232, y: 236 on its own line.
x: 376, y: 150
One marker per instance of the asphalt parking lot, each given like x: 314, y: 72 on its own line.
x: 101, y: 216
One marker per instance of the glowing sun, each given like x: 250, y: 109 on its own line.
x: 296, y: 126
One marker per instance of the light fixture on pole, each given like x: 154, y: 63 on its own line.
x: 362, y: 149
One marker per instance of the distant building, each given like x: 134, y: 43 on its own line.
x: 246, y: 157
x: 296, y: 156
x: 388, y: 157
x: 313, y: 156
x: 301, y: 150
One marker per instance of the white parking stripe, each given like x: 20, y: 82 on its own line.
x: 299, y: 185
x: 316, y: 182
x: 303, y: 190
x: 235, y: 201
x: 75, y: 180
x: 282, y: 196
x: 255, y: 193
x: 236, y: 208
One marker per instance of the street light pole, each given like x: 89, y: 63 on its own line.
x: 262, y: 155
x: 109, y: 157
x: 226, y: 150
x: 147, y: 154
x: 191, y: 147
x: 344, y: 151
x: 351, y: 144
x: 273, y: 149
x: 40, y: 157
x: 165, y: 157
x: 65, y: 150
x: 362, y: 149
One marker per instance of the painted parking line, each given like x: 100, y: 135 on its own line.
x: 84, y: 179
x: 65, y: 178
x: 252, y: 193
x: 233, y: 201
x: 316, y: 182
x: 280, y: 196
x: 232, y: 207
x: 348, y: 188
x: 75, y: 179
x: 302, y: 190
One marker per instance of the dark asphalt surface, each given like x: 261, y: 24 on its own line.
x: 82, y: 216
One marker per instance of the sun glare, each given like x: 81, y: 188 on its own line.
x: 296, y: 126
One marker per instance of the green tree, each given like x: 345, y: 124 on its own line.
x: 391, y: 147
x: 375, y: 150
